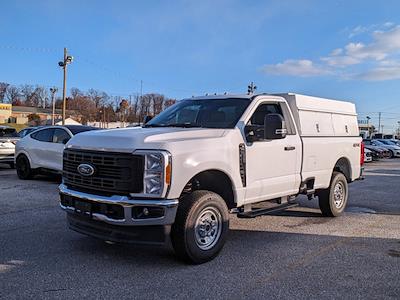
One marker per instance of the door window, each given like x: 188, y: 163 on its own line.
x: 45, y: 135
x: 60, y: 136
x: 255, y: 126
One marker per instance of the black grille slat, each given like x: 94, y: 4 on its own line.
x: 116, y: 173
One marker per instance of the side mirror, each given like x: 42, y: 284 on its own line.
x: 65, y: 141
x: 274, y: 127
x: 147, y: 119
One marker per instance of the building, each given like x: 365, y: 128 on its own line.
x: 19, y: 114
x: 68, y: 121
x: 366, y: 128
x: 5, y: 112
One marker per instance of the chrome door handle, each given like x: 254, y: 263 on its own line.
x: 290, y: 148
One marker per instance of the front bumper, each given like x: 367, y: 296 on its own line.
x: 127, y: 208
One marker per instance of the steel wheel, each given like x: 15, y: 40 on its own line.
x: 339, y: 194
x: 208, y: 228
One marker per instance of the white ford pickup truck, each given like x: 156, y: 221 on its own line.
x: 185, y: 170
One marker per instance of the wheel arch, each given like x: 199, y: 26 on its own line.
x: 22, y: 152
x: 343, y: 166
x: 213, y: 180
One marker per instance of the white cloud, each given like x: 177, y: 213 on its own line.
x: 377, y: 60
x: 359, y: 30
x: 336, y: 51
x: 301, y: 68
x: 379, y: 74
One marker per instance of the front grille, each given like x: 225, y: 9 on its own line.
x: 115, y: 173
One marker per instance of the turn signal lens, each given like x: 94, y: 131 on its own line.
x: 168, y: 170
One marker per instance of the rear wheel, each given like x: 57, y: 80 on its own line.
x: 24, y: 170
x: 201, y: 227
x: 333, y: 200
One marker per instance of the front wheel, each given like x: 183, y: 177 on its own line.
x: 333, y: 200
x: 201, y: 227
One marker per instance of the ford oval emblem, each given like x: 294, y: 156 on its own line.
x: 86, y: 170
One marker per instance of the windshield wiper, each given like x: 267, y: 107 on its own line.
x: 154, y: 125
x: 183, y: 125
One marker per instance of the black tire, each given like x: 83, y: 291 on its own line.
x: 391, y: 154
x: 24, y: 170
x: 187, y: 239
x: 333, y: 204
x: 12, y: 165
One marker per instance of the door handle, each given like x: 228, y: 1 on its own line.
x: 290, y: 148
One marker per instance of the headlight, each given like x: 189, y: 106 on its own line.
x: 157, y: 173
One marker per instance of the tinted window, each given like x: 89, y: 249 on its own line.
x: 255, y: 126
x: 78, y: 129
x: 45, y: 135
x: 8, y: 132
x: 60, y: 136
x: 207, y: 113
x: 264, y: 109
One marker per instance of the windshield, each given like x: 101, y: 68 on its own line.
x: 379, y: 143
x: 207, y: 113
x: 8, y: 132
x: 387, y: 142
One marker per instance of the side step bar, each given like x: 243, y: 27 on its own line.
x: 265, y: 211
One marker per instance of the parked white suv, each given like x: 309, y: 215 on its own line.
x: 8, y: 139
x: 186, y: 169
x: 41, y: 151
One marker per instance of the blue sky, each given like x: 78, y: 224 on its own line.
x: 335, y: 49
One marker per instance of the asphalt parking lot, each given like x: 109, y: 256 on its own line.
x: 294, y: 254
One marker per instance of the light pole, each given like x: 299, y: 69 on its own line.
x: 63, y: 64
x: 53, y: 92
x: 369, y: 132
x: 398, y: 131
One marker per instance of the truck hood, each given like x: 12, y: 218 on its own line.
x: 130, y: 139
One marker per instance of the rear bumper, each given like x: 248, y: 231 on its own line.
x: 6, y: 157
x: 124, y: 210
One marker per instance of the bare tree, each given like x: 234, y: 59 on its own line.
x: 12, y: 93
x: 40, y: 96
x: 145, y: 106
x: 158, y: 103
x: 27, y: 93
x: 124, y: 110
x: 75, y: 93
x: 169, y: 102
x: 3, y: 89
x: 99, y: 97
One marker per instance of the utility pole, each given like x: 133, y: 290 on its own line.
x: 398, y: 130
x: 379, y: 124
x: 251, y: 88
x: 141, y: 88
x: 369, y: 131
x: 53, y: 92
x: 63, y: 64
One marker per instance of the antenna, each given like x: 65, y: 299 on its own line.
x: 251, y: 88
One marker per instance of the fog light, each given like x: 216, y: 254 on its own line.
x: 147, y: 212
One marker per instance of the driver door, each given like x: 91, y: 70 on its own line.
x: 272, y: 166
